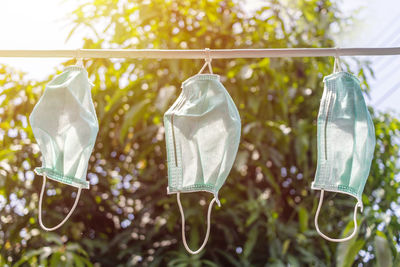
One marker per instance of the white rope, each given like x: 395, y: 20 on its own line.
x: 321, y: 199
x: 199, y: 53
x: 178, y: 197
x: 40, y: 208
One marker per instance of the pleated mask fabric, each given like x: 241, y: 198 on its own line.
x: 202, y: 131
x: 345, y: 140
x: 65, y: 126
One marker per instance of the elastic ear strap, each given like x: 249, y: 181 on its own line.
x: 321, y: 199
x: 68, y: 215
x: 208, y: 62
x: 209, y: 67
x: 336, y: 66
x: 178, y: 197
x: 204, y: 66
x: 79, y: 60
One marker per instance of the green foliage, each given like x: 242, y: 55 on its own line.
x: 347, y: 251
x: 383, y: 253
x: 126, y: 218
x: 59, y: 254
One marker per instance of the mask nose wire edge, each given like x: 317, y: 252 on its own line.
x: 178, y: 198
x: 321, y: 200
x: 40, y: 208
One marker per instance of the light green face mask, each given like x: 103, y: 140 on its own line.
x: 202, y: 130
x: 65, y: 127
x: 346, y: 141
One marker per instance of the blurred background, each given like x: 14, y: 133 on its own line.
x: 266, y: 219
x: 373, y: 25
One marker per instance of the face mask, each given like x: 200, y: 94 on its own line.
x: 65, y: 127
x: 202, y: 131
x: 346, y: 141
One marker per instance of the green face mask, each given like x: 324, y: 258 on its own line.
x: 65, y: 127
x: 346, y: 141
x: 202, y: 131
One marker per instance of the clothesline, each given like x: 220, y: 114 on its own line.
x: 201, y: 53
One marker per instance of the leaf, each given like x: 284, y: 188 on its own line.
x: 71, y: 32
x: 50, y: 237
x: 347, y: 252
x: 132, y: 117
x: 383, y: 253
x: 276, y: 263
x: 209, y: 263
x: 29, y: 255
x: 250, y: 242
x: 293, y: 262
x: 303, y: 219
x: 270, y: 178
x: 79, y: 261
x: 285, y: 246
x: 6, y: 154
x: 230, y: 258
x: 55, y: 259
x: 255, y: 214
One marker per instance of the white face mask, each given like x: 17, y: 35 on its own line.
x: 65, y: 127
x: 202, y: 130
x: 346, y: 141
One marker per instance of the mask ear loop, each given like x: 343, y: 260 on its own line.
x: 79, y: 60
x: 178, y: 197
x: 336, y: 66
x: 208, y: 60
x: 321, y: 199
x: 40, y: 208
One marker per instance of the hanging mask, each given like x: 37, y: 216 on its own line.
x: 65, y: 127
x: 202, y: 132
x: 346, y: 141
